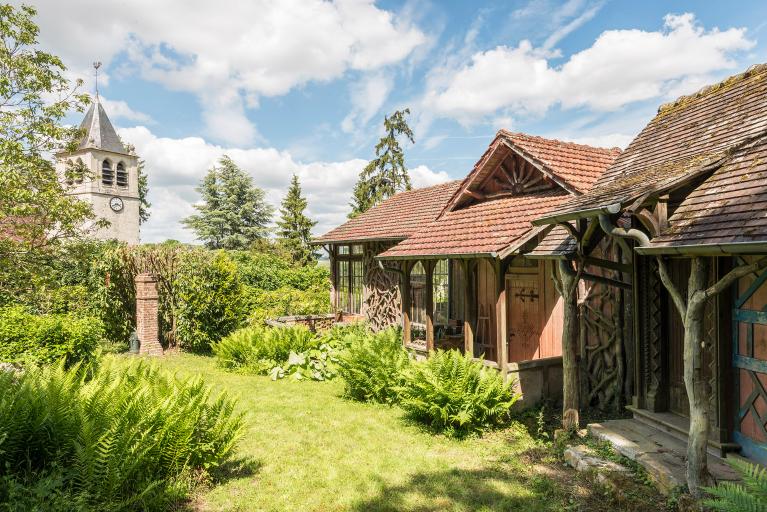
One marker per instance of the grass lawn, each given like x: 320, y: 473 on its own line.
x: 308, y: 449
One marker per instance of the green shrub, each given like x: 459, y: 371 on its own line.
x: 120, y: 439
x: 271, y: 272
x: 454, y: 394
x: 372, y: 366
x: 320, y: 363
x: 210, y: 299
x: 284, y: 301
x: 748, y: 495
x: 258, y: 349
x: 27, y: 338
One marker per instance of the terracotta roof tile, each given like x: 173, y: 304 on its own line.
x: 686, y: 139
x: 482, y: 228
x: 395, y: 218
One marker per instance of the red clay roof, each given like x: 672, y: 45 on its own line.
x: 395, y: 218
x: 579, y: 165
x: 482, y: 228
x: 687, y: 139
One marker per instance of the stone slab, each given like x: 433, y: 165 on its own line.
x: 583, y: 458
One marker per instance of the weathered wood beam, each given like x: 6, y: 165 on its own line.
x: 502, y: 336
x: 468, y: 285
x: 605, y: 280
x: 612, y: 265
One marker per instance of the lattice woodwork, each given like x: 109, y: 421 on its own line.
x: 514, y: 176
x: 382, y: 301
x: 603, y: 337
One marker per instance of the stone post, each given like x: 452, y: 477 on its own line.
x: 147, y: 324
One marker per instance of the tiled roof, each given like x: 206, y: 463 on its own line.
x: 482, y: 228
x: 574, y: 166
x: 99, y: 132
x: 579, y: 165
x: 395, y: 218
x: 557, y: 242
x: 686, y: 139
x: 728, y: 207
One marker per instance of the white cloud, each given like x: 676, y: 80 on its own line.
x: 175, y: 167
x: 621, y: 67
x: 118, y: 109
x: 229, y: 52
x: 368, y: 96
x: 609, y: 140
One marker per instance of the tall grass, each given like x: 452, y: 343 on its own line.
x: 118, y: 437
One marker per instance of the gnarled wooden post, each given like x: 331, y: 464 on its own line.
x: 567, y: 286
x: 692, y: 309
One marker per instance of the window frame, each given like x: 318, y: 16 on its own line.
x: 121, y: 171
x: 350, y: 292
x: 106, y: 165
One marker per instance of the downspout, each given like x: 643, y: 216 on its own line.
x: 611, y: 229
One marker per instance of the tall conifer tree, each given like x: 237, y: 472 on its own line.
x: 234, y: 213
x: 295, y: 228
x: 386, y: 174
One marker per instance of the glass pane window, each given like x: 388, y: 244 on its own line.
x: 441, y: 290
x: 356, y: 249
x: 418, y: 300
x: 342, y: 286
x: 356, y: 282
x: 343, y: 249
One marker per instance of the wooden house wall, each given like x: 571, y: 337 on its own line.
x: 551, y: 337
x: 485, y: 336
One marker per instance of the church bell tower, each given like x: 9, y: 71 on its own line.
x: 102, y: 172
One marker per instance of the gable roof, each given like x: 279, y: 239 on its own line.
x: 688, y: 138
x: 500, y: 226
x: 396, y: 218
x: 574, y: 167
x: 488, y: 228
x: 725, y: 213
x: 99, y: 132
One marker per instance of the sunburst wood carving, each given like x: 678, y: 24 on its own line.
x: 514, y: 176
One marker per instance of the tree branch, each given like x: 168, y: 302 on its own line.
x: 676, y: 296
x: 732, y: 276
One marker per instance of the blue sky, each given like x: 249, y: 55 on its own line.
x: 302, y: 86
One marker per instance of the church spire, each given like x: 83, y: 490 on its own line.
x: 98, y: 130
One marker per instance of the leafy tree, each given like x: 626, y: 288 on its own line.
x: 143, y: 188
x: 295, y: 227
x: 386, y: 174
x: 234, y: 213
x: 35, y: 212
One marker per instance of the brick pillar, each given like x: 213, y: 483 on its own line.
x: 147, y: 324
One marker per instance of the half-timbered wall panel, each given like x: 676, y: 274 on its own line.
x: 485, y: 337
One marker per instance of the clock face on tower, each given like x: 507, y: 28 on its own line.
x: 116, y: 204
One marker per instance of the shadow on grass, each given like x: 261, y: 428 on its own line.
x: 490, y: 489
x: 239, y: 467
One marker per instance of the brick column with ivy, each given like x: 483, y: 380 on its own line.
x: 147, y: 323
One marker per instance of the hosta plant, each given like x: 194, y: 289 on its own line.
x: 456, y: 395
x: 259, y: 349
x: 372, y: 366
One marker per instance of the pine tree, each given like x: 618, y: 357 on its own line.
x: 386, y: 174
x: 295, y: 227
x: 143, y: 187
x: 234, y: 213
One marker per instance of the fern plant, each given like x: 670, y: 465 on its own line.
x: 456, y: 395
x: 372, y: 366
x: 750, y: 495
x: 116, y: 438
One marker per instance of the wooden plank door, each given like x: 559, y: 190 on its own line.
x: 750, y: 361
x: 524, y: 309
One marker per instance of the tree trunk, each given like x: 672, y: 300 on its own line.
x: 694, y: 380
x: 570, y: 374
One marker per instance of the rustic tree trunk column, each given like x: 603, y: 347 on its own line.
x: 429, y: 305
x: 147, y: 308
x: 468, y: 297
x: 502, y: 336
x: 406, y: 328
x: 568, y: 284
